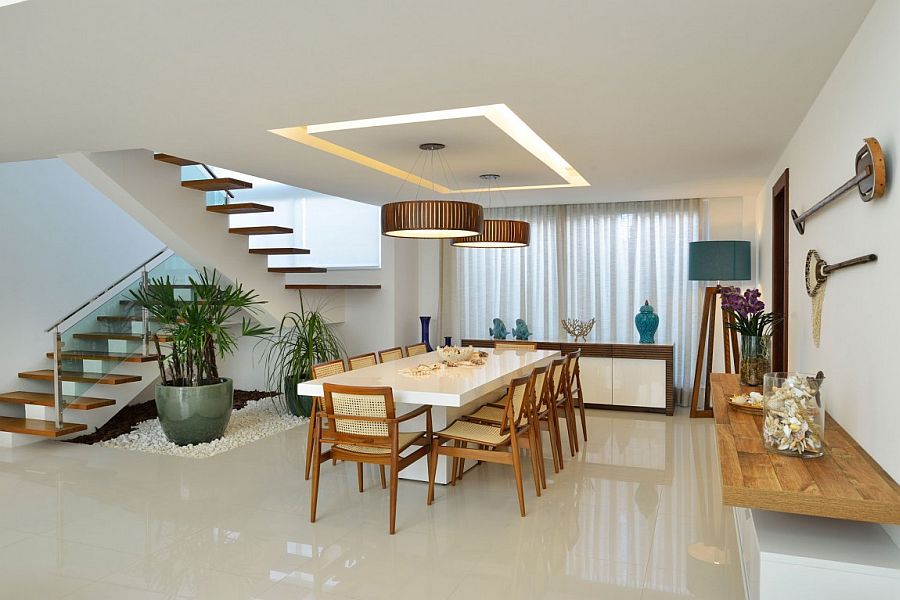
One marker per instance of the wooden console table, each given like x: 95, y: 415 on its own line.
x: 618, y: 376
x: 846, y: 483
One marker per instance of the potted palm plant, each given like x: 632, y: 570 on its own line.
x: 193, y: 401
x: 303, y: 339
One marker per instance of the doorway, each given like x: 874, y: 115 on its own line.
x: 781, y: 224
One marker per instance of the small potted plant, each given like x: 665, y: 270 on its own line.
x: 193, y: 401
x: 748, y: 317
x: 303, y: 339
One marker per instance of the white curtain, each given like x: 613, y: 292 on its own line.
x: 584, y: 261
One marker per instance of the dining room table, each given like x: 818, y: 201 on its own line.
x: 451, y: 391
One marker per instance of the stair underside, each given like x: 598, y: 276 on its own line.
x: 333, y: 286
x: 174, y: 160
x: 240, y: 208
x: 38, y: 427
x: 219, y: 184
x: 40, y: 399
x: 101, y: 355
x: 260, y: 230
x: 297, y: 270
x: 273, y: 251
x: 112, y: 335
x: 81, y: 377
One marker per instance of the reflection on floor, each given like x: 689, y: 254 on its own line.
x: 637, y: 515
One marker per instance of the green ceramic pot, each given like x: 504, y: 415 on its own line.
x: 300, y: 406
x: 194, y: 415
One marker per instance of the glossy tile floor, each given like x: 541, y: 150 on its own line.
x: 637, y: 515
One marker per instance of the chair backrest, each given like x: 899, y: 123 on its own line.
x: 372, y: 407
x: 327, y: 369
x: 543, y: 395
x: 554, y: 375
x: 390, y: 354
x: 362, y: 361
x: 514, y: 345
x: 416, y: 349
x: 562, y: 384
x: 516, y: 402
x: 540, y: 378
x: 574, y: 370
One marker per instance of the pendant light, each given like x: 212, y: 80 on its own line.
x: 431, y: 219
x: 497, y: 233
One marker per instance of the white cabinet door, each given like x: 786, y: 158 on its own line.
x: 596, y: 379
x: 639, y: 382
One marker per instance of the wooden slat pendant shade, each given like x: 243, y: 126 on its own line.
x: 431, y: 219
x: 498, y: 233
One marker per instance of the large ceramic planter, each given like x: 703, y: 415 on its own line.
x: 299, y: 406
x: 194, y: 415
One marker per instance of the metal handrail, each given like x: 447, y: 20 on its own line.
x: 213, y: 175
x: 105, y: 290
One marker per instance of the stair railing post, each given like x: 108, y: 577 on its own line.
x: 145, y: 315
x: 57, y: 377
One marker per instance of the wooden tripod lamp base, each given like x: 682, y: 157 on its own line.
x: 705, y: 352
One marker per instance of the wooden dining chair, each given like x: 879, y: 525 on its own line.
x: 575, y: 388
x: 362, y: 361
x: 361, y: 426
x: 495, y: 443
x: 390, y: 354
x: 416, y: 349
x: 565, y: 407
x: 514, y: 345
x: 492, y: 414
x: 548, y: 412
x: 319, y: 371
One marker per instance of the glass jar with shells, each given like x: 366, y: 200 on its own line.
x: 794, y: 414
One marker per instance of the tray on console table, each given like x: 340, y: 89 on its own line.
x: 629, y: 354
x: 846, y: 483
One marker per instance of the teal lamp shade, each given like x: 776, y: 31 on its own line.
x: 719, y: 261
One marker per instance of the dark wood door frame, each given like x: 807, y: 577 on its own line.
x: 781, y: 229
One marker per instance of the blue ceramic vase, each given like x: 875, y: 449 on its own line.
x: 647, y: 322
x: 426, y: 333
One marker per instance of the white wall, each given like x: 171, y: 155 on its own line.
x: 859, y: 326
x: 62, y: 242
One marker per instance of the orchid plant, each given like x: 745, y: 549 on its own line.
x: 748, y: 311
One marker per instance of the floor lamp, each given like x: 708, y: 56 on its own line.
x: 715, y: 261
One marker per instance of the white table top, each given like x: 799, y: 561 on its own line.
x: 446, y: 387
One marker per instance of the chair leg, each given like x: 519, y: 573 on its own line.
x: 581, y: 410
x: 539, y: 451
x: 551, y: 433
x: 383, y: 480
x: 317, y: 463
x: 432, y: 470
x: 394, y: 476
x: 359, y: 476
x: 554, y: 422
x: 462, y: 462
x: 535, y: 469
x: 570, y: 411
x: 517, y: 470
x: 454, y: 466
x: 309, y: 438
x: 570, y: 430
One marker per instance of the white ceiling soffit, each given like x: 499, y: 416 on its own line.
x: 642, y: 99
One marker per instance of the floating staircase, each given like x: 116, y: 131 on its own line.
x: 230, y: 184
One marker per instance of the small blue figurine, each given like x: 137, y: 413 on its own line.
x: 646, y: 322
x: 499, y: 330
x: 521, y: 331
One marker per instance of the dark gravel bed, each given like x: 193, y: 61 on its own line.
x: 128, y: 417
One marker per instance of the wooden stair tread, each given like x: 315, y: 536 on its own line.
x: 240, y: 208
x: 218, y: 184
x: 81, y: 376
x: 272, y: 251
x: 174, y: 160
x: 297, y: 270
x: 42, y: 399
x: 123, y: 318
x: 331, y: 286
x: 260, y: 230
x: 101, y: 355
x: 38, y: 427
x: 113, y: 335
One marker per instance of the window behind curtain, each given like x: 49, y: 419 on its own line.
x: 585, y: 260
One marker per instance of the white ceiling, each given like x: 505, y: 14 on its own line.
x: 646, y: 99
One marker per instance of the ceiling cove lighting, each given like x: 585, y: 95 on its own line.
x: 497, y: 233
x: 498, y: 114
x: 431, y: 219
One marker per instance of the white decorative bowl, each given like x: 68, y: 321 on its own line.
x: 455, y: 354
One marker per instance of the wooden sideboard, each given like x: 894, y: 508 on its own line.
x: 618, y: 376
